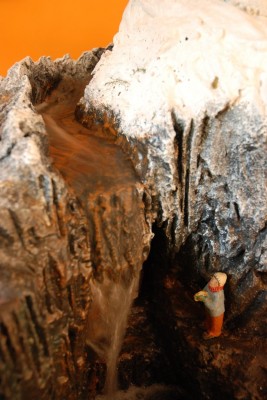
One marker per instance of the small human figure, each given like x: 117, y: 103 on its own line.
x: 213, y: 298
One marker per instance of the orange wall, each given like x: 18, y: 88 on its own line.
x: 55, y: 27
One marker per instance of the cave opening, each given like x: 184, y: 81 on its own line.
x: 163, y: 308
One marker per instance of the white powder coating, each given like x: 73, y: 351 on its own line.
x: 181, y: 54
x: 186, y: 60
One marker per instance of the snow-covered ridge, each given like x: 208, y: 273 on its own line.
x: 187, y: 81
x: 181, y: 54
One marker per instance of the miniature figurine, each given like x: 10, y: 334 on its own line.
x: 213, y: 298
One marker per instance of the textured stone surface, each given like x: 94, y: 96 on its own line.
x: 195, y: 114
x: 58, y: 235
x: 186, y: 89
x: 231, y: 366
x: 185, y: 86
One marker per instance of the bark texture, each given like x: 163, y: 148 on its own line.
x: 57, y: 235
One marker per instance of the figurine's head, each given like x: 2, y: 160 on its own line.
x: 218, y: 280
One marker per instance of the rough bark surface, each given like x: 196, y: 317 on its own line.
x: 57, y: 234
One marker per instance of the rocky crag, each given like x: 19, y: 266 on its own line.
x: 185, y: 85
x: 183, y: 94
x: 72, y: 218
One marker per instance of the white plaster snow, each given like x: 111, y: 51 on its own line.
x: 181, y: 55
x: 188, y: 59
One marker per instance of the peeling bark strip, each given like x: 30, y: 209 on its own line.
x: 66, y: 222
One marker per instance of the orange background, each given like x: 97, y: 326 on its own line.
x: 55, y: 27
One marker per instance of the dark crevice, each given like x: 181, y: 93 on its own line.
x: 263, y: 231
x: 204, y: 131
x: 42, y: 83
x: 47, y: 297
x: 33, y: 237
x: 178, y: 127
x: 187, y: 176
x: 55, y: 194
x: 262, y: 275
x: 38, y: 327
x: 55, y: 281
x: 226, y: 187
x: 206, y: 261
x: 208, y: 172
x: 198, y: 160
x: 156, y: 272
x: 2, y: 356
x: 239, y: 257
x: 72, y: 338
x: 23, y: 127
x: 5, y: 238
x: 150, y: 295
x: 71, y: 241
x: 17, y: 226
x: 8, y: 152
x: 82, y: 296
x: 237, y: 210
x: 28, y: 346
x: 222, y: 112
x: 186, y: 202
x: 260, y: 238
x: 21, y: 337
x: 70, y: 296
x: 11, y: 350
x: 57, y: 207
